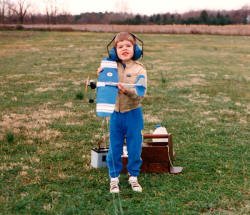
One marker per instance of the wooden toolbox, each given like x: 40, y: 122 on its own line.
x: 157, y: 154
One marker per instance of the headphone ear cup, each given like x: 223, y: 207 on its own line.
x: 137, y: 52
x: 112, y: 54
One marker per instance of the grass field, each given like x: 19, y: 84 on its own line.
x: 198, y: 88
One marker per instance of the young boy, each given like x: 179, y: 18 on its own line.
x: 127, y: 120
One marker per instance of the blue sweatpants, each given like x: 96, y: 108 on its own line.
x: 127, y: 126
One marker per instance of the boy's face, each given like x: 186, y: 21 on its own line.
x: 125, y: 50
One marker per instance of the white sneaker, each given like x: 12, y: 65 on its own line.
x: 134, y: 184
x: 114, y: 187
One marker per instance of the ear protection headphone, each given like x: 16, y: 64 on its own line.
x: 138, y: 52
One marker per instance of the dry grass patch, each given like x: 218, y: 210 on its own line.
x: 197, y: 75
x: 175, y: 110
x: 248, y: 109
x: 243, y: 120
x: 227, y: 112
x: 53, y: 87
x: 10, y: 165
x: 15, y: 48
x: 170, y: 29
x: 32, y: 124
x: 197, y: 98
x: 68, y: 104
x: 151, y: 118
x: 189, y: 83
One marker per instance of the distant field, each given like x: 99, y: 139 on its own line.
x: 199, y: 88
x: 243, y: 30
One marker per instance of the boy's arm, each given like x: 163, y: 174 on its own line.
x: 131, y: 92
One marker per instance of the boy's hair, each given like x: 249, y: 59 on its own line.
x: 124, y: 36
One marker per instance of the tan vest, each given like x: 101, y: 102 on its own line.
x: 128, y: 75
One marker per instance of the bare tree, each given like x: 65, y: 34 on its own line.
x: 20, y: 9
x: 51, y: 10
x: 246, y: 7
x: 3, y: 10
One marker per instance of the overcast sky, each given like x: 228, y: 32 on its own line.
x: 147, y: 7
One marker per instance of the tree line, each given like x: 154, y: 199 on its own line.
x: 22, y: 12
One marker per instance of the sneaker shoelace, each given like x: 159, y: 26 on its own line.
x: 114, y: 185
x: 134, y: 183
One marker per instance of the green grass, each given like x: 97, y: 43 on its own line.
x: 198, y: 87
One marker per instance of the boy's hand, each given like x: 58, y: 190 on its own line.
x: 99, y: 70
x: 121, y: 88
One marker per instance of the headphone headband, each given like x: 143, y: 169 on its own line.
x: 136, y: 38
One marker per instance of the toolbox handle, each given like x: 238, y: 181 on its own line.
x: 150, y: 136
